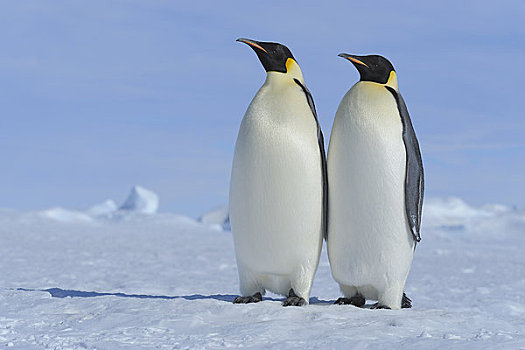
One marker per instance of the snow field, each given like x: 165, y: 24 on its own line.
x: 144, y: 281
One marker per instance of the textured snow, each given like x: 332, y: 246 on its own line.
x: 166, y: 281
x: 141, y: 200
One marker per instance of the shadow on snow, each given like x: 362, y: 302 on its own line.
x: 68, y: 293
x: 65, y: 293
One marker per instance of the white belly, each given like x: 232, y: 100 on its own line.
x: 369, y: 240
x: 276, y: 187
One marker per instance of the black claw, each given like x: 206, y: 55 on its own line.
x: 293, y: 299
x: 249, y: 299
x: 378, y: 306
x: 357, y: 300
x: 406, y: 303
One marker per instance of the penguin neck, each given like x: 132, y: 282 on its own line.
x: 392, y: 81
x: 293, y: 71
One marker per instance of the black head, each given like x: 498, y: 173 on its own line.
x: 273, y: 56
x: 372, y: 67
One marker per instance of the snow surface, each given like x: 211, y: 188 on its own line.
x: 167, y: 282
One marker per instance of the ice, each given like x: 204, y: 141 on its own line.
x: 71, y: 280
x: 491, y: 221
x: 451, y: 211
x: 218, y: 218
x: 141, y: 200
x: 65, y: 215
x: 103, y: 209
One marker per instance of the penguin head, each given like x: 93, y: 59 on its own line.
x: 374, y: 68
x: 274, y: 57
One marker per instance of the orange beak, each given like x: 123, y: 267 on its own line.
x: 252, y: 43
x: 352, y: 59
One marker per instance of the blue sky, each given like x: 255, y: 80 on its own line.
x: 96, y: 96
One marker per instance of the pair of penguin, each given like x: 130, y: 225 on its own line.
x: 364, y: 198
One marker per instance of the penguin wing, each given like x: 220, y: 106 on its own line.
x: 414, y: 177
x: 320, y: 141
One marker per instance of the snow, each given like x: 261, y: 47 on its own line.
x: 167, y: 281
x: 103, y: 209
x: 65, y: 215
x: 492, y: 221
x: 141, y: 200
x: 218, y: 218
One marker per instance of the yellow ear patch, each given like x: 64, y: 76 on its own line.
x: 290, y: 63
x: 392, y: 80
x: 293, y: 70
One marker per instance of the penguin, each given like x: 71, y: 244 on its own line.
x: 278, y: 189
x: 375, y: 172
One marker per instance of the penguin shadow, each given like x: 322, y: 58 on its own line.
x: 70, y: 293
x: 317, y: 301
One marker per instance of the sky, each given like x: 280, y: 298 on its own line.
x: 98, y: 96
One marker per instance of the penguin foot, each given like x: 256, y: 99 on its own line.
x: 293, y: 299
x: 406, y: 303
x: 343, y: 301
x: 378, y: 306
x: 357, y: 300
x: 249, y: 299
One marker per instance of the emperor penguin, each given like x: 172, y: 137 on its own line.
x: 278, y: 190
x: 375, y: 172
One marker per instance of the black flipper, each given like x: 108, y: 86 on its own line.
x: 320, y: 141
x: 406, y: 302
x: 249, y: 299
x: 414, y: 177
x: 293, y: 299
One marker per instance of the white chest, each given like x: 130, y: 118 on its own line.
x: 366, y: 144
x: 276, y: 187
x: 368, y: 230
